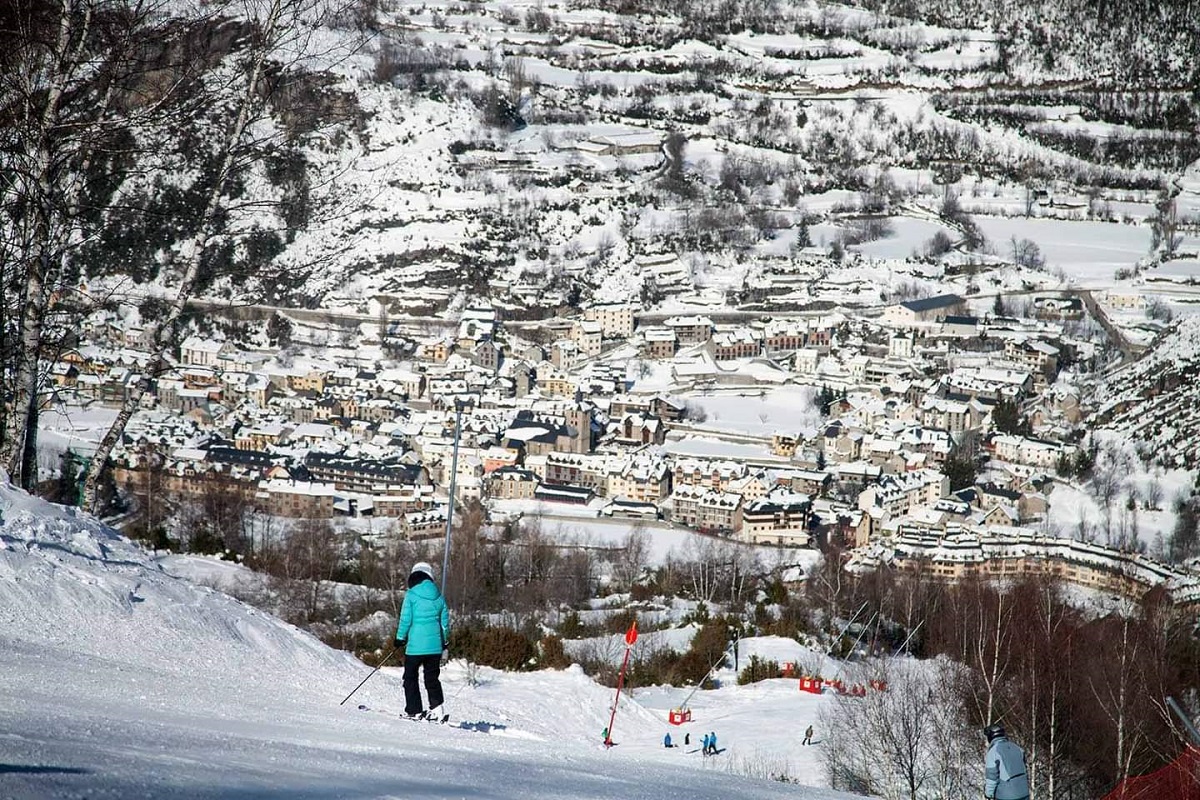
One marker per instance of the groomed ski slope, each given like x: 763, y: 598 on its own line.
x: 120, y: 681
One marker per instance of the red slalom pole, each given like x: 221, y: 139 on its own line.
x: 630, y: 638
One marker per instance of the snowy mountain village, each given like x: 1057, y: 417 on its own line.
x: 864, y: 428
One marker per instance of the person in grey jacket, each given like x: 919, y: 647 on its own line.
x: 1004, y: 767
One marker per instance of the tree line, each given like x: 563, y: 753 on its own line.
x: 1082, y: 686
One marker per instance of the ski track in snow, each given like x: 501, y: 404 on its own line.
x: 121, y: 681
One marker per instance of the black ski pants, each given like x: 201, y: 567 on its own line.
x: 433, y: 685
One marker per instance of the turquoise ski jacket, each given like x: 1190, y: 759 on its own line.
x: 424, y: 620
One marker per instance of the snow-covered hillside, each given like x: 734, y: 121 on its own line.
x: 1152, y: 401
x: 440, y: 153
x: 122, y: 681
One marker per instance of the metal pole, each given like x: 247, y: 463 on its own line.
x: 364, y: 680
x: 908, y: 638
x: 842, y: 632
x: 630, y: 639
x: 458, y: 409
x: 720, y: 659
x: 842, y: 662
x: 1188, y: 725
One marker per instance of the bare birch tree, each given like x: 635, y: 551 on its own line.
x: 631, y: 559
x: 988, y: 642
x: 905, y: 743
x: 1044, y: 656
x: 302, y: 566
x: 75, y: 80
x: 1114, y: 696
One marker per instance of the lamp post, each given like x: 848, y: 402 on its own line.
x: 459, y: 405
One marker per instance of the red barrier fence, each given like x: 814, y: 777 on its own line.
x: 1179, y: 780
x: 818, y: 686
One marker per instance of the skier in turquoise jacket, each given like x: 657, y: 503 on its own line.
x: 422, y: 634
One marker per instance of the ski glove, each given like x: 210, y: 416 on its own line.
x: 400, y: 643
x: 445, y: 656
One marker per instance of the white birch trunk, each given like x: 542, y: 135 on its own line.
x: 38, y: 284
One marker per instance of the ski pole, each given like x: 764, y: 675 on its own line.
x: 460, y: 688
x: 364, y: 680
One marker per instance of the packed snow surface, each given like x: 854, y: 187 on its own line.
x: 124, y: 681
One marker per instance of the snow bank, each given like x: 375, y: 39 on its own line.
x: 70, y: 583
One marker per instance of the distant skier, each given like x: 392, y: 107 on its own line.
x: 687, y: 740
x: 667, y: 740
x: 712, y: 743
x: 604, y: 735
x: 1004, y: 767
x: 704, y: 744
x: 808, y: 732
x: 422, y: 633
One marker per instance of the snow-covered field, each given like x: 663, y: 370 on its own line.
x: 786, y: 409
x: 1089, y: 252
x: 123, y: 681
x: 908, y: 236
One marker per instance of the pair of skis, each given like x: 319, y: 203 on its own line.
x: 478, y: 726
x: 424, y: 716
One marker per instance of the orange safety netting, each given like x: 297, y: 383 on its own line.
x: 1179, y: 780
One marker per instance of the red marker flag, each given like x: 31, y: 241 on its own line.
x: 631, y: 634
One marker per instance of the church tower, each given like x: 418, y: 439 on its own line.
x: 579, y: 420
